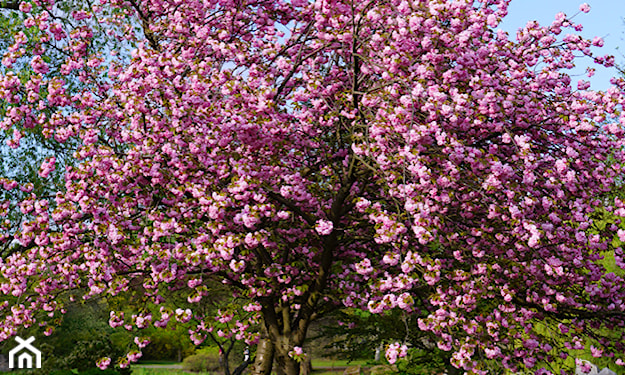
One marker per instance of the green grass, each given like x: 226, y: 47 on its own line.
x: 162, y: 371
x: 326, y: 372
x: 158, y: 362
x: 325, y: 363
x: 337, y: 363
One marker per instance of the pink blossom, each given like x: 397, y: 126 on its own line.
x: 324, y: 227
x: 492, y: 352
x: 583, y: 85
x: 297, y: 353
x: 103, y: 363
x: 364, y: 267
x: 38, y: 65
x: 141, y: 342
x: 134, y: 356
x: 405, y: 301
x: 25, y: 6
x: 395, y: 351
x: 597, y: 41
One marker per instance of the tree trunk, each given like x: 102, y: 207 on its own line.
x: 306, y: 367
x: 264, y: 358
x: 285, y: 365
x: 225, y: 365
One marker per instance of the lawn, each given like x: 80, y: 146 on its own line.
x: 325, y: 363
x: 158, y: 362
x: 169, y: 371
x: 162, y: 371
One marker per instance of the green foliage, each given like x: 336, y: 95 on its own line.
x: 97, y: 371
x: 161, y: 371
x: 359, y: 333
x: 91, y: 371
x: 168, y: 344
x: 422, y: 362
x: 383, y: 370
x: 203, y: 360
x: 331, y: 363
x: 83, y: 337
x: 62, y: 372
x: 85, y: 353
x: 360, y: 341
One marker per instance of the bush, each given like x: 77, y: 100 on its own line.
x: 83, y: 337
x: 168, y: 344
x: 202, y: 361
x: 97, y: 371
x: 85, y: 353
x: 61, y: 372
x: 383, y: 370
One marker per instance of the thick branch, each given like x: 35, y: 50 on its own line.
x: 330, y: 244
x: 310, y: 220
x: 145, y: 23
x: 12, y: 5
x: 269, y: 316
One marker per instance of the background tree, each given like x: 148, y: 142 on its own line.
x: 361, y: 335
x: 310, y: 154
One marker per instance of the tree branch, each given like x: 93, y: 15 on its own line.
x: 12, y: 5
x: 309, y: 219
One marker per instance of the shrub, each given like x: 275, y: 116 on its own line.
x: 85, y: 353
x: 167, y: 344
x: 61, y: 372
x: 97, y: 371
x: 201, y: 361
x: 383, y: 370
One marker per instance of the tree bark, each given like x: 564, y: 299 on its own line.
x: 263, y: 362
x: 306, y: 367
x: 287, y: 327
x: 239, y: 370
x: 224, y: 360
x: 285, y: 365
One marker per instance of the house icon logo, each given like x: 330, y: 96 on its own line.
x: 25, y: 359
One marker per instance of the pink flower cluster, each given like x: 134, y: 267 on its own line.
x: 395, y: 351
x: 324, y: 227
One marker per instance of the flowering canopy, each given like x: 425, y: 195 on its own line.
x: 372, y: 153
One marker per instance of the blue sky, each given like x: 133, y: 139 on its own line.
x: 605, y: 20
